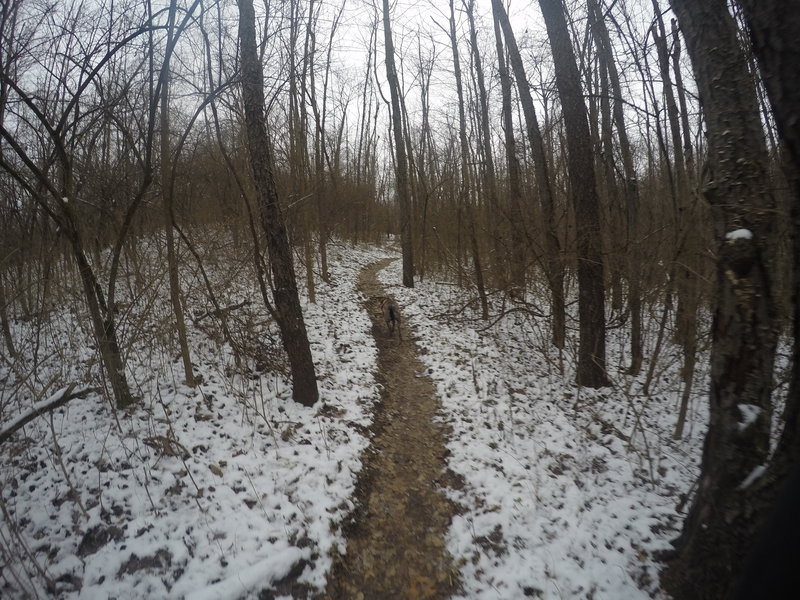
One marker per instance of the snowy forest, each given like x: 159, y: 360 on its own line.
x: 372, y: 299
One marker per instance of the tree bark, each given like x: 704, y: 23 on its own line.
x: 580, y: 164
x: 774, y: 27
x: 287, y: 302
x: 401, y: 167
x: 774, y: 30
x: 105, y: 329
x: 710, y: 548
x: 4, y: 323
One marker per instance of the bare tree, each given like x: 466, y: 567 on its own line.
x: 554, y: 265
x: 685, y: 268
x: 488, y: 172
x: 774, y: 26
x: 743, y: 333
x: 630, y: 187
x: 42, y: 156
x: 580, y: 163
x: 465, y: 191
x: 167, y: 201
x: 425, y: 157
x: 320, y: 146
x: 7, y: 18
x: 402, y: 190
x: 287, y: 302
x: 513, y: 174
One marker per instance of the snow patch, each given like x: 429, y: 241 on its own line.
x: 754, y: 474
x: 749, y: 414
x: 263, y: 571
x: 739, y: 234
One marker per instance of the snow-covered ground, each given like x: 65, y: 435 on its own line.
x: 216, y: 491
x: 566, y: 492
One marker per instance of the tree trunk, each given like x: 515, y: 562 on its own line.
x: 775, y: 28
x: 686, y: 236
x: 425, y: 146
x: 580, y: 164
x: 401, y: 167
x: 710, y: 548
x: 690, y: 233
x: 324, y: 224
x: 465, y: 192
x: 630, y: 191
x: 555, y: 267
x: 166, y: 191
x: 488, y: 173
x: 6, y: 61
x: 4, y: 323
x: 104, y: 328
x: 287, y: 302
x: 514, y: 185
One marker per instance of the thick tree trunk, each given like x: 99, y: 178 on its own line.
x: 709, y: 551
x: 774, y: 29
x: 401, y: 167
x: 580, y: 163
x: 287, y: 302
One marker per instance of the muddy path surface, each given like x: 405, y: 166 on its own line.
x: 395, y: 541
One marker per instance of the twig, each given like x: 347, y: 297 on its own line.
x: 219, y: 312
x: 58, y: 457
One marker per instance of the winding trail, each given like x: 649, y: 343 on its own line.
x: 395, y: 542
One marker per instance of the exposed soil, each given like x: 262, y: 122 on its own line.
x: 395, y: 541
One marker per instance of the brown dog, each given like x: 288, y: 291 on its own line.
x: 391, y: 314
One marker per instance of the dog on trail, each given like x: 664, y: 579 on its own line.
x: 391, y: 314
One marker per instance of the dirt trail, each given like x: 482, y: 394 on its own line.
x: 395, y: 544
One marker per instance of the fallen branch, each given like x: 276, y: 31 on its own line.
x: 60, y: 398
